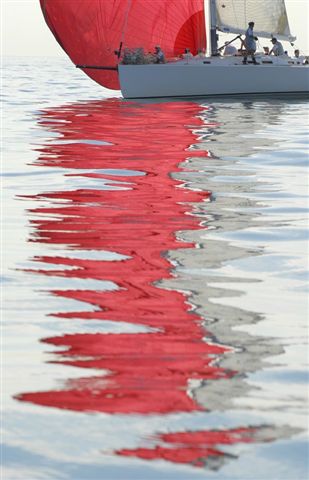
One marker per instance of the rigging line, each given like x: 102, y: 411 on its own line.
x: 124, y: 26
x: 245, y: 12
x: 50, y: 24
x: 44, y: 8
x: 235, y: 16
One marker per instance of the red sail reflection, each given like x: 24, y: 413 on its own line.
x: 140, y: 223
x: 138, y: 216
x: 196, y: 448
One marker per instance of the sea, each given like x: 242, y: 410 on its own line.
x: 154, y: 287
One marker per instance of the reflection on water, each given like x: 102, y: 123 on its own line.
x: 137, y: 219
x: 199, y: 448
x: 136, y: 215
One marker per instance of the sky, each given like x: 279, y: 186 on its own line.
x: 24, y: 32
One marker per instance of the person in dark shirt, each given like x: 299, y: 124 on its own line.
x: 159, y: 55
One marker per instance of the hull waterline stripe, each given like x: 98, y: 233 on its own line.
x: 97, y: 67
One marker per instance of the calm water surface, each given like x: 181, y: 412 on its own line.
x: 155, y: 275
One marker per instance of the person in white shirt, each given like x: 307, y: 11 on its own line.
x: 250, y: 44
x: 200, y: 53
x: 299, y: 59
x: 229, y: 49
x: 277, y: 49
x: 187, y: 55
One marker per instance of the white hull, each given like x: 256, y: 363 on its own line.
x: 226, y: 76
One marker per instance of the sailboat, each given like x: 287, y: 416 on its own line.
x: 96, y: 33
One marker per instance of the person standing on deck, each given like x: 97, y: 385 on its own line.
x: 250, y: 44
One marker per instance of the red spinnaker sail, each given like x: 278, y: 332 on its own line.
x: 91, y: 30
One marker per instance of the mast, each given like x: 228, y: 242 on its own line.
x: 213, y: 26
x: 210, y: 10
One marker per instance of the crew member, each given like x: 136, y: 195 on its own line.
x: 277, y: 49
x: 250, y: 44
x: 200, y: 53
x: 159, y: 55
x: 187, y: 55
x: 229, y: 49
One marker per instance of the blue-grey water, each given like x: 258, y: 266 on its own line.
x: 242, y: 275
